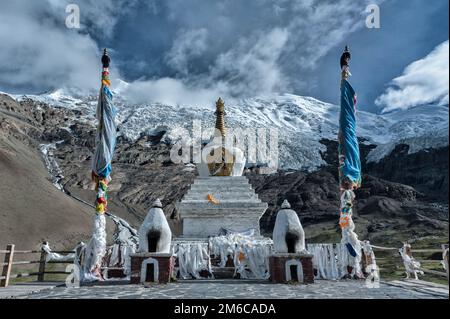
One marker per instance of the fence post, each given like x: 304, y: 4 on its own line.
x: 6, y: 272
x: 42, y: 264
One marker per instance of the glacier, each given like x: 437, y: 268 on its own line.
x: 301, y: 122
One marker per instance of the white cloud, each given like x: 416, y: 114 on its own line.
x: 252, y: 68
x: 233, y: 48
x: 187, y: 45
x: 39, y: 52
x: 168, y: 91
x: 425, y: 81
x: 36, y: 53
x: 247, y: 69
x: 246, y: 50
x: 97, y: 16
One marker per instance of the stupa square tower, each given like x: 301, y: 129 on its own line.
x: 237, y: 206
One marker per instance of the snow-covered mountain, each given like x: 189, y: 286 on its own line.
x: 301, y: 122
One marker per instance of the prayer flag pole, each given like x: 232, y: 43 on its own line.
x: 349, y: 165
x: 101, y: 170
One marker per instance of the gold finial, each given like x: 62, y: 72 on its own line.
x: 220, y: 105
x: 221, y: 160
x: 220, y: 117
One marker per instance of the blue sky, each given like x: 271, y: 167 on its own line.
x: 190, y: 51
x: 409, y: 31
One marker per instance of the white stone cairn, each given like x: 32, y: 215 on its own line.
x: 156, y: 222
x: 287, y: 223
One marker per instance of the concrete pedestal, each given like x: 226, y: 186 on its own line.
x: 236, y: 206
x: 291, y: 267
x: 151, y: 267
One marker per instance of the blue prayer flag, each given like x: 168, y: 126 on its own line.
x: 349, y: 158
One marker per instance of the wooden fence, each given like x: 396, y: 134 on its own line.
x: 442, y: 259
x: 9, y: 262
x: 424, y: 261
x: 10, y: 252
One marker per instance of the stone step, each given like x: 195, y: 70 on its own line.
x: 221, y: 188
x: 221, y: 181
x: 221, y: 178
x: 218, y: 194
x: 229, y: 185
x: 222, y: 198
x: 223, y: 201
x: 218, y: 180
x: 190, y: 240
x: 230, y: 204
x: 223, y: 272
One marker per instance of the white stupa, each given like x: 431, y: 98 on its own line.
x: 220, y: 198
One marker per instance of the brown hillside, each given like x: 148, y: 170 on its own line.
x: 31, y: 208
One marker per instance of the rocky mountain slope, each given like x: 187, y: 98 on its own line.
x: 391, y: 206
x: 302, y: 122
x: 31, y: 208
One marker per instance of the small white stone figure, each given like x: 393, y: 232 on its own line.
x: 154, y: 233
x: 412, y: 266
x: 288, y: 234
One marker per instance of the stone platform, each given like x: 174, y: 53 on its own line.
x: 238, y: 207
x: 242, y: 289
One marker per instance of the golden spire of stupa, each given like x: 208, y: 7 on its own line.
x: 220, y: 117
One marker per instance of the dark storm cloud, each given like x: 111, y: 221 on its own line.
x: 189, y: 51
x: 236, y: 48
